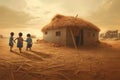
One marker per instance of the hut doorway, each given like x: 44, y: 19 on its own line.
x: 77, y: 41
x: 81, y: 37
x: 77, y: 36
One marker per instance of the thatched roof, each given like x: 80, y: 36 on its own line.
x: 61, y: 21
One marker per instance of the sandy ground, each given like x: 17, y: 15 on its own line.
x: 47, y: 62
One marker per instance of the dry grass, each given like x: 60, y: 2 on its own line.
x: 61, y: 63
x: 61, y: 21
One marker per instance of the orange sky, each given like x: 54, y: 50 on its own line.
x: 31, y: 15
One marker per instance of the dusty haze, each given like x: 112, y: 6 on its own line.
x: 31, y: 15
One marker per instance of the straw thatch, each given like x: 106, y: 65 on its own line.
x: 61, y: 21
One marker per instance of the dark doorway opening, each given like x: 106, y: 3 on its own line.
x: 77, y: 40
x: 81, y: 37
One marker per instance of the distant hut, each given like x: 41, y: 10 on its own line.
x: 70, y: 31
x: 112, y: 34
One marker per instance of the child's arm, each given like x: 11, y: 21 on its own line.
x: 15, y: 40
x: 25, y: 40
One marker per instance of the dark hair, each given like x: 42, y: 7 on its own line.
x: 28, y: 35
x: 12, y: 33
x: 20, y: 34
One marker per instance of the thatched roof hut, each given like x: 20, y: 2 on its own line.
x: 70, y: 31
x: 61, y: 21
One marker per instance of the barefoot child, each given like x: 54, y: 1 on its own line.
x: 29, y: 42
x: 11, y: 41
x: 19, y: 41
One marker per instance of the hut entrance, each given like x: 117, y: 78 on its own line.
x: 79, y: 38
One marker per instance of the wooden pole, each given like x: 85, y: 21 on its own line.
x: 73, y: 38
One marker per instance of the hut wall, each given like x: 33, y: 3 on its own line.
x: 50, y: 36
x: 90, y: 36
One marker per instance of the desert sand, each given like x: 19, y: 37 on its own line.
x: 49, y: 62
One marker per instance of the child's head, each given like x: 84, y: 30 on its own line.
x: 20, y: 34
x: 28, y: 35
x: 12, y: 33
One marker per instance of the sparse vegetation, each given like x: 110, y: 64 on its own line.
x: 49, y: 62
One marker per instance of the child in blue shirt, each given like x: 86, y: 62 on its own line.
x: 11, y: 41
x: 29, y: 42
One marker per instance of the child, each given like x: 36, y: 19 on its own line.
x: 19, y: 41
x: 29, y: 42
x: 11, y: 41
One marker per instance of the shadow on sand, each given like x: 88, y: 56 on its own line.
x: 28, y: 55
x: 44, y: 55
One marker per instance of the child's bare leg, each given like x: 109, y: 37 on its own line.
x: 20, y: 50
x: 11, y: 48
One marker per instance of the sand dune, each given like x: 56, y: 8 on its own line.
x: 47, y: 62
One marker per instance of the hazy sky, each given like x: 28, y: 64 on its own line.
x: 29, y: 15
